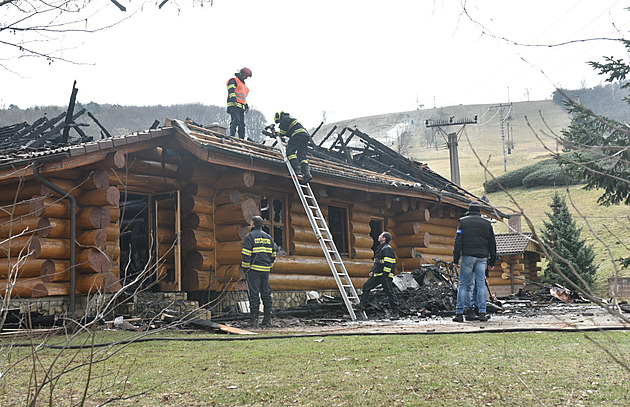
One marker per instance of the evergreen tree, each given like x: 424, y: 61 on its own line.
x: 562, y: 236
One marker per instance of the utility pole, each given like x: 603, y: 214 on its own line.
x: 452, y: 141
x: 501, y: 115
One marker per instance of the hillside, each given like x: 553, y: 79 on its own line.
x: 484, y: 137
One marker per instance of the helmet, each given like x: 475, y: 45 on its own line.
x: 278, y: 116
x: 246, y: 72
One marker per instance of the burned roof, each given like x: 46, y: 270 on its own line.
x: 515, y: 243
x: 48, y: 139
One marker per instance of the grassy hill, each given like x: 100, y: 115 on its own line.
x: 532, y: 125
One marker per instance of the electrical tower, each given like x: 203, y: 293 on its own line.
x: 452, y: 141
x: 505, y: 118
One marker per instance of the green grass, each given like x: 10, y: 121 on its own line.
x: 512, y: 369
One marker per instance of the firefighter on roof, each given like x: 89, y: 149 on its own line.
x: 236, y: 101
x: 297, y: 145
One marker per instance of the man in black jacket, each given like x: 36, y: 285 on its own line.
x: 474, y: 244
x: 258, y: 255
x: 382, y: 273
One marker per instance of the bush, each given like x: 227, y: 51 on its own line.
x: 547, y: 175
x: 512, y: 179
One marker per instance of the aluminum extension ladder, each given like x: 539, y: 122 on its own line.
x: 315, y: 216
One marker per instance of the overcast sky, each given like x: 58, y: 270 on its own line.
x: 350, y: 58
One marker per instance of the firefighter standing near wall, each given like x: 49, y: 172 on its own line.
x: 237, y: 101
x: 476, y: 245
x: 258, y: 255
x: 297, y: 145
x: 382, y: 273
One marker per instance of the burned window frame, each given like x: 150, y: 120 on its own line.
x: 345, y: 230
x: 270, y: 225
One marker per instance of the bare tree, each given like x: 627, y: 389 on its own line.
x: 36, y: 28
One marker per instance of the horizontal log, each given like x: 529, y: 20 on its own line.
x: 408, y: 264
x: 109, y: 196
x: 228, y: 252
x: 144, y: 166
x: 232, y: 232
x: 360, y: 228
x: 236, y: 179
x: 93, y: 217
x: 360, y: 217
x: 195, y: 172
x: 49, y: 207
x: 113, y: 231
x: 198, y: 221
x: 95, y: 179
x: 19, y: 192
x: 158, y: 154
x: 10, y: 212
x: 166, y: 252
x: 318, y: 265
x: 381, y: 201
x: 227, y: 196
x: 92, y: 261
x: 192, y: 239
x: 54, y: 228
x: 436, y: 249
x: 237, y: 214
x: 306, y: 282
x: 23, y: 288
x: 132, y: 180
x: 407, y: 228
x: 202, y: 190
x: 197, y: 204
x: 298, y: 248
x: 416, y: 215
x: 419, y: 240
x: 362, y: 253
x: 55, y: 270
x: 56, y: 289
x: 363, y: 241
x: 439, y: 239
x: 302, y: 234
x: 200, y: 260
x: 400, y: 205
x: 195, y: 280
x: 406, y: 251
x: 115, y: 160
x: 296, y: 219
x: 68, y: 186
x: 506, y: 276
x: 21, y: 268
x: 20, y: 246
x: 15, y: 226
x: 439, y: 230
x: 105, y: 282
x: 92, y: 238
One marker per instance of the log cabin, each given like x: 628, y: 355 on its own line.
x: 165, y: 210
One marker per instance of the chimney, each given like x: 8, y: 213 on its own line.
x: 514, y: 223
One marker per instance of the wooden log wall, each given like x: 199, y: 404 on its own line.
x: 38, y: 255
x: 517, y: 268
x: 199, y: 243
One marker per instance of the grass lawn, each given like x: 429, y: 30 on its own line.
x: 512, y: 369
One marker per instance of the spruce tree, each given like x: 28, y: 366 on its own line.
x: 562, y: 236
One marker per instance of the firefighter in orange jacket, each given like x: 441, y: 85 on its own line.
x: 237, y: 101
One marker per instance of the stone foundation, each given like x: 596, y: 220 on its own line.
x: 281, y: 299
x: 619, y: 288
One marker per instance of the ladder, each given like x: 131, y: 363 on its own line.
x: 318, y: 223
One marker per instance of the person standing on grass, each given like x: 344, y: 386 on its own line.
x: 382, y: 273
x: 257, y: 257
x: 476, y: 245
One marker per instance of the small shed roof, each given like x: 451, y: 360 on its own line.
x: 516, y: 243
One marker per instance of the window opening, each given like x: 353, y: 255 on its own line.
x: 272, y: 210
x: 338, y: 226
x: 376, y: 228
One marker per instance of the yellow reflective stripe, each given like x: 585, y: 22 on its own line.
x: 245, y: 265
x: 389, y: 260
x: 262, y: 250
x: 298, y: 132
x: 378, y: 274
x: 391, y: 275
x: 303, y: 161
x: 246, y: 252
x: 282, y: 132
x: 231, y: 87
x: 292, y: 156
x: 387, y: 269
x: 258, y: 267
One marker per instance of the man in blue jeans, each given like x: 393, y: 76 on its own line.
x: 474, y: 244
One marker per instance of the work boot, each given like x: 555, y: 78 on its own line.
x: 458, y: 318
x: 266, y: 319
x: 306, y: 173
x: 470, y: 315
x: 482, y: 317
x: 296, y: 166
x: 253, y: 319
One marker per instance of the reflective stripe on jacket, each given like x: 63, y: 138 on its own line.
x: 237, y: 93
x: 259, y: 251
x: 384, y: 261
x: 290, y: 127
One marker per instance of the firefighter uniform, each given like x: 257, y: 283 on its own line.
x: 257, y: 257
x: 237, y: 104
x: 298, y: 143
x: 383, y: 272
